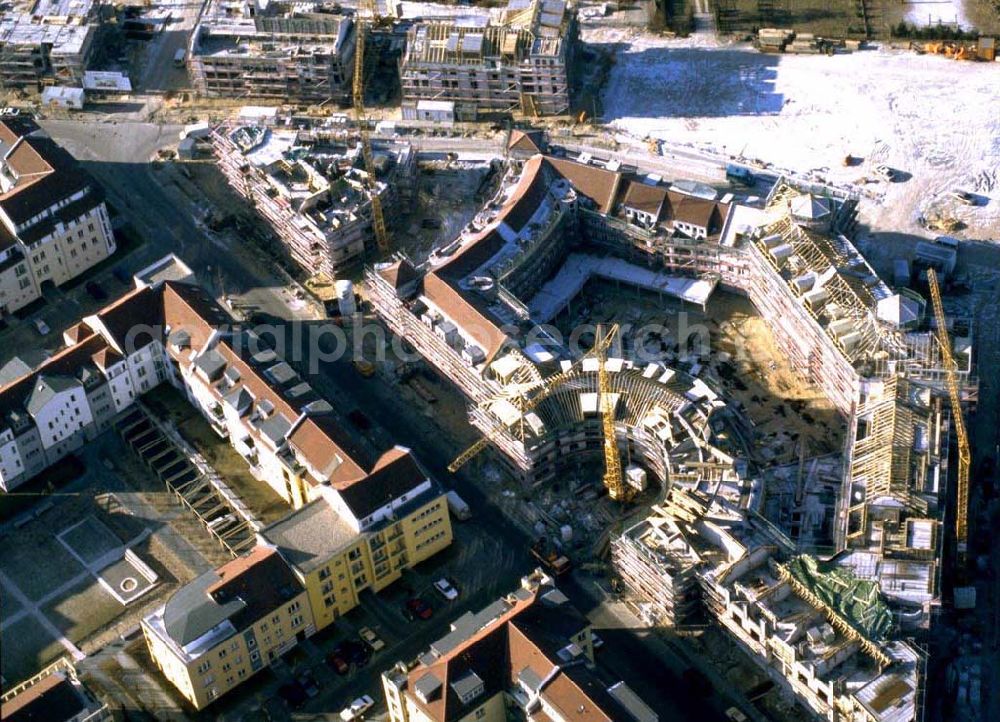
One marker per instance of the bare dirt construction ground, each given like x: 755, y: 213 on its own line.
x: 743, y: 362
x: 933, y: 119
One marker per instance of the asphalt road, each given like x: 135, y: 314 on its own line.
x: 162, y: 206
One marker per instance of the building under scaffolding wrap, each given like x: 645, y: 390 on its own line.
x: 283, y: 51
x: 474, y: 310
x: 818, y: 633
x: 516, y: 60
x: 310, y: 189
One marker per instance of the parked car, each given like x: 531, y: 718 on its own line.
x: 294, y: 694
x: 96, y: 291
x: 371, y: 639
x: 964, y: 197
x: 357, y: 708
x: 417, y: 608
x: 308, y: 682
x: 337, y: 662
x: 446, y: 590
x: 884, y: 172
x: 42, y: 327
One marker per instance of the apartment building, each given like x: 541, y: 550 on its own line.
x: 312, y: 191
x: 530, y: 653
x: 54, y: 224
x: 228, y: 624
x: 816, y: 629
x: 49, y: 43
x: 364, y: 535
x: 283, y: 51
x: 514, y: 60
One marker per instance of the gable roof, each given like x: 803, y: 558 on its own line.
x: 600, y: 185
x: 645, y: 198
x: 395, y: 473
x: 460, y: 308
x: 525, y: 142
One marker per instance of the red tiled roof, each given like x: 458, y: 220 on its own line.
x: 456, y: 306
x: 645, y: 198
x: 598, y: 184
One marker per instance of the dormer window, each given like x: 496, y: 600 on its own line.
x: 468, y: 687
x: 265, y: 407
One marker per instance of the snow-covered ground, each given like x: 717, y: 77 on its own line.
x: 931, y: 118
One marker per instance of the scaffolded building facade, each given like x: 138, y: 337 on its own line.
x: 279, y: 51
x: 312, y: 195
x: 515, y: 61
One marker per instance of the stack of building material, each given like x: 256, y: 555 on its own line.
x: 805, y: 44
x: 773, y: 40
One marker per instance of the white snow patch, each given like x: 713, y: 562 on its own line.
x: 927, y: 116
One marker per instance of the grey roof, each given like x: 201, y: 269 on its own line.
x: 46, y: 387
x: 13, y: 369
x: 631, y: 703
x: 239, y: 399
x: 427, y: 686
x: 281, y: 373
x: 467, y: 625
x: 211, y: 363
x: 308, y: 537
x: 191, y: 612
x: 529, y: 679
x: 467, y: 684
x: 275, y: 428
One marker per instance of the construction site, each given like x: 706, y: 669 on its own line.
x: 314, y: 189
x: 575, y: 313
x: 514, y: 59
x: 47, y: 43
x: 290, y: 52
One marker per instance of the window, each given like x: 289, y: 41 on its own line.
x: 226, y: 667
x: 297, y: 620
x: 480, y: 713
x: 241, y: 673
x: 294, y: 607
x: 213, y: 693
x: 328, y: 602
x: 204, y: 666
x: 276, y: 619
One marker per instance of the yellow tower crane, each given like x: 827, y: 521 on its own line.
x: 964, y: 455
x: 612, y: 460
x: 367, y: 8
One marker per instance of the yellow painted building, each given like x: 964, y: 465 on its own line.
x: 336, y: 563
x: 228, y: 624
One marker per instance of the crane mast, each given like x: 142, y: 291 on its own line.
x: 367, y: 7
x: 613, y: 480
x: 612, y: 461
x: 964, y: 455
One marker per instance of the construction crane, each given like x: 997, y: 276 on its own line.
x: 964, y: 455
x: 613, y: 480
x: 367, y: 7
x: 612, y: 460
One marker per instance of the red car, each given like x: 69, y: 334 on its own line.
x: 336, y: 660
x: 418, y: 608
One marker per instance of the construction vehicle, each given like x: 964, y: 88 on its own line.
x: 739, y: 174
x: 549, y: 557
x: 367, y: 8
x: 457, y: 506
x: 962, y: 437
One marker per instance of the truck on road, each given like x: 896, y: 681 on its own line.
x: 739, y: 174
x: 457, y: 506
